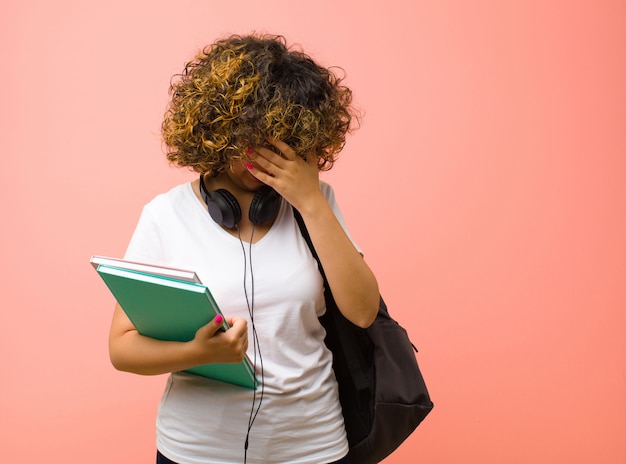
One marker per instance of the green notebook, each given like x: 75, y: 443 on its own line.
x: 171, y: 309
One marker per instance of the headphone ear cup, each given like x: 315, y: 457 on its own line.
x: 223, y: 208
x: 265, y: 205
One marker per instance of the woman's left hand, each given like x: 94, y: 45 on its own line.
x: 295, y: 179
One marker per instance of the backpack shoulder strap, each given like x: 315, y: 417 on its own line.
x: 345, y: 333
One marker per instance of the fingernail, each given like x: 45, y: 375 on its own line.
x: 250, y: 151
x: 249, y: 166
x: 219, y: 319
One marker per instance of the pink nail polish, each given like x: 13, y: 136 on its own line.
x: 250, y: 151
x: 219, y: 319
x: 249, y: 166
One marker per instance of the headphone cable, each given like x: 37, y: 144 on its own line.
x: 255, y: 338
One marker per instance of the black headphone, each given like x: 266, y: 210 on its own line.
x: 225, y: 210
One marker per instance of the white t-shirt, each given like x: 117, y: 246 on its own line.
x: 203, y: 421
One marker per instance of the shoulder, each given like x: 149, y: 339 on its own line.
x: 175, y: 196
x: 178, y: 203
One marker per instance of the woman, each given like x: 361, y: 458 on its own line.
x: 257, y: 121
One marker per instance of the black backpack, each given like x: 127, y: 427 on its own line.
x: 381, y: 389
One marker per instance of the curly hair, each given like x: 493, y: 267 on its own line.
x: 242, y: 89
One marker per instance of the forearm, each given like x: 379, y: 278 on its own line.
x: 133, y: 352
x: 296, y: 179
x: 351, y: 281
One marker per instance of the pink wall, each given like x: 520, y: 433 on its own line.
x: 487, y: 187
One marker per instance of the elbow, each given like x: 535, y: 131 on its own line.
x: 119, y: 367
x: 117, y: 361
x: 120, y: 351
x: 366, y: 322
x: 116, y: 354
x: 119, y: 357
x: 368, y: 315
x: 123, y: 365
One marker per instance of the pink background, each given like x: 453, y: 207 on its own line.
x: 487, y: 187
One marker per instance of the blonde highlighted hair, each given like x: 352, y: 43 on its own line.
x: 242, y: 89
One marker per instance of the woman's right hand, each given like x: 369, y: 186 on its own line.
x: 212, y: 345
x: 132, y: 352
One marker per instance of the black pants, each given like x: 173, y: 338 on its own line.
x: 163, y: 460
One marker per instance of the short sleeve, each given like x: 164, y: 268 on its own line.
x: 145, y: 244
x: 329, y: 194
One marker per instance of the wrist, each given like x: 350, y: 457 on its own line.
x: 313, y: 206
x: 193, y: 354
